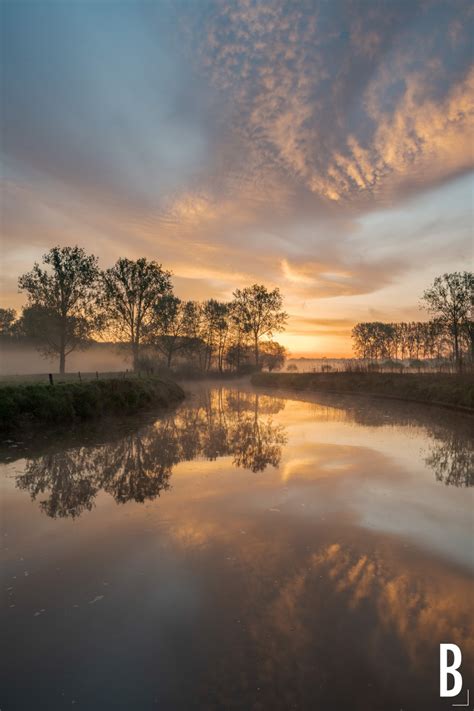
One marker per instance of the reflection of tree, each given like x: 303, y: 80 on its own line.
x: 452, y: 461
x: 241, y: 401
x: 138, y: 466
x: 451, y: 454
x: 70, y: 478
x: 256, y: 443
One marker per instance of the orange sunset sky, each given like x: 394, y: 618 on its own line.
x: 322, y: 147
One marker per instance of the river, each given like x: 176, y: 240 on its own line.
x: 245, y: 551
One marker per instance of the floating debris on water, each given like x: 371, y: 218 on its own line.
x: 96, y: 599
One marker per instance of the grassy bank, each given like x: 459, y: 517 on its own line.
x: 68, y: 402
x: 440, y: 389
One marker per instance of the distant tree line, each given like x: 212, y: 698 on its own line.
x: 375, y: 340
x: 71, y: 303
x: 449, y: 335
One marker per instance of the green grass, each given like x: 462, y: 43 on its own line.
x: 75, y: 401
x: 436, y: 388
x: 70, y: 377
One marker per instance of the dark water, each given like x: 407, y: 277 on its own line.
x: 243, y: 552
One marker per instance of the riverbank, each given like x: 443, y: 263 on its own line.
x: 68, y: 402
x: 456, y: 391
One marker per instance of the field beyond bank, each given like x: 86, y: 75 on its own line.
x: 450, y: 390
x: 68, y: 402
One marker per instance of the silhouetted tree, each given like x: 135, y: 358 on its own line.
x: 216, y: 326
x: 61, y: 313
x: 7, y: 319
x: 373, y: 340
x: 170, y: 325
x: 260, y: 314
x: 131, y: 291
x: 133, y: 304
x: 449, y: 299
x: 272, y: 355
x: 414, y: 340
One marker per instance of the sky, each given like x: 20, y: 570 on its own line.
x: 324, y: 147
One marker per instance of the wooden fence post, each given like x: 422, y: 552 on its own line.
x: 51, y: 382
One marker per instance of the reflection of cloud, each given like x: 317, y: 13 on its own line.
x: 298, y: 466
x: 328, y: 460
x: 361, y: 603
x: 189, y: 535
x: 417, y: 613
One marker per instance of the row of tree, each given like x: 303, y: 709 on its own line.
x: 375, y: 340
x: 448, y: 335
x: 71, y: 302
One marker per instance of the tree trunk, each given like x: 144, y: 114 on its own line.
x: 135, y: 354
x: 456, y: 347
x: 62, y: 345
x: 257, y: 354
x: 170, y: 355
x: 62, y: 360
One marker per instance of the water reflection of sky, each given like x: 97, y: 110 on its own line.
x: 379, y: 478
x: 259, y: 547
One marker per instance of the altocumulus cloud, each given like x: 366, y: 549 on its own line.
x: 201, y: 133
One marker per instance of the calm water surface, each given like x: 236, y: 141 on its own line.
x: 244, y: 551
